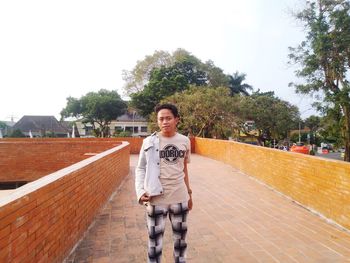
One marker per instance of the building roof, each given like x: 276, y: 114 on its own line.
x: 40, y: 123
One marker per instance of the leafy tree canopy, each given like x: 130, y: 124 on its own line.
x: 273, y: 117
x: 162, y: 74
x: 205, y: 112
x: 324, y: 59
x: 164, y: 82
x: 17, y: 134
x: 236, y: 84
x: 2, y: 125
x: 96, y: 107
x: 313, y: 122
x: 331, y: 127
x: 137, y: 78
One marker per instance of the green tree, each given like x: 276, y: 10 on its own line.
x: 164, y: 82
x: 236, y: 85
x: 324, y: 58
x: 17, y: 134
x: 273, y: 117
x: 2, y: 125
x: 330, y: 130
x: 137, y: 78
x: 205, y: 112
x: 313, y: 123
x: 96, y: 108
x: 215, y: 75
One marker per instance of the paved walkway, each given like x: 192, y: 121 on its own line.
x: 235, y: 219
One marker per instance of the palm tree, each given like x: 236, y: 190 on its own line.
x: 236, y: 86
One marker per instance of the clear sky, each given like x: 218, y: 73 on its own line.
x: 50, y: 50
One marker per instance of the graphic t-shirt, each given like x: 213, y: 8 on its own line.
x: 173, y: 152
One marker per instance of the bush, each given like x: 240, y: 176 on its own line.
x: 17, y: 134
x: 122, y: 134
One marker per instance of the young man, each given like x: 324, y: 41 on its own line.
x: 162, y: 184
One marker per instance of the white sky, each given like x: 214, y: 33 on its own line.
x: 50, y: 50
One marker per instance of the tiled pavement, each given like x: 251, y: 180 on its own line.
x: 235, y: 219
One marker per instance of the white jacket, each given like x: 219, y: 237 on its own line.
x: 147, y: 172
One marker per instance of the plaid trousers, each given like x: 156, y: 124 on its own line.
x: 156, y: 217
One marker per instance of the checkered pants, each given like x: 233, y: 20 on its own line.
x: 156, y: 217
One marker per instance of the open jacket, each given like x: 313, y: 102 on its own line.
x: 147, y: 172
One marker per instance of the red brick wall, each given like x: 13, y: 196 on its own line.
x: 135, y: 142
x: 43, y: 220
x: 28, y: 160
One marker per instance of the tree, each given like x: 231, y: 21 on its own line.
x: 313, y: 123
x: 324, y: 58
x: 96, y: 108
x: 273, y: 117
x: 17, y: 134
x: 330, y: 130
x: 236, y: 84
x: 205, y: 112
x: 139, y: 76
x: 2, y: 125
x: 164, y: 82
x: 215, y: 75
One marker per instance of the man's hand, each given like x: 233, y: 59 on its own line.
x: 190, y: 203
x: 145, y: 197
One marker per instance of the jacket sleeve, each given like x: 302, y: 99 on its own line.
x: 140, y: 173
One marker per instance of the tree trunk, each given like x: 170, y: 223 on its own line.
x: 346, y: 109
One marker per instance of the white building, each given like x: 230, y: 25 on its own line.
x: 128, y: 122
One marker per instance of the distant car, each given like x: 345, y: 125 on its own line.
x: 300, y: 148
x: 325, y: 150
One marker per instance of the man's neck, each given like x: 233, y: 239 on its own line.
x: 170, y: 134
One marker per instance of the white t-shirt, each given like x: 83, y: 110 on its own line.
x: 174, y: 151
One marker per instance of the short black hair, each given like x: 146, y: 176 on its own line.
x: 168, y: 106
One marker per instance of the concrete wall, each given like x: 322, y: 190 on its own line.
x: 320, y: 184
x: 43, y: 220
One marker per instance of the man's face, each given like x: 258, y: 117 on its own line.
x: 167, y: 122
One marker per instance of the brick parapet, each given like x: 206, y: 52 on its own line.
x: 43, y: 220
x: 28, y: 160
x: 319, y: 184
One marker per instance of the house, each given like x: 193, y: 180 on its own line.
x: 42, y: 126
x: 130, y: 122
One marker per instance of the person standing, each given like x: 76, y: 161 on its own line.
x: 162, y: 183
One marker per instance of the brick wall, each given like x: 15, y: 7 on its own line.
x: 135, y: 142
x: 320, y: 184
x: 28, y: 160
x: 43, y: 220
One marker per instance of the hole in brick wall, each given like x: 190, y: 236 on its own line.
x: 11, y: 185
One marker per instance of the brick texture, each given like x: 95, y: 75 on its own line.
x: 39, y: 157
x: 318, y: 184
x: 50, y: 215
